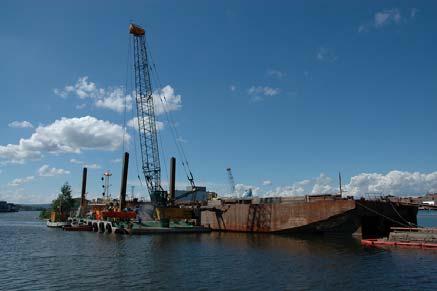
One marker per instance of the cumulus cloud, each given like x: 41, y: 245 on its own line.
x: 115, y: 100
x: 134, y: 123
x: 20, y: 124
x: 232, y: 88
x: 165, y: 99
x: 241, y: 189
x: 47, y: 171
x: 83, y: 89
x: 393, y: 183
x: 21, y: 181
x: 319, y: 185
x: 387, y: 17
x: 397, y: 183
x: 112, y: 98
x: 66, y: 135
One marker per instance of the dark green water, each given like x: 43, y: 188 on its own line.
x: 33, y: 257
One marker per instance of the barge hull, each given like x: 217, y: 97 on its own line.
x: 320, y: 214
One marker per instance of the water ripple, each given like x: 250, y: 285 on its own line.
x: 37, y: 258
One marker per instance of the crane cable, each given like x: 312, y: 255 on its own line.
x: 170, y: 120
x: 380, y: 214
x: 397, y: 212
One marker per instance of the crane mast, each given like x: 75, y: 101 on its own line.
x: 231, y: 180
x: 146, y: 119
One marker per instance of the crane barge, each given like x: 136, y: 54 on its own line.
x: 309, y: 213
x: 165, y: 209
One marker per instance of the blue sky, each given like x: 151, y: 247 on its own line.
x: 287, y: 94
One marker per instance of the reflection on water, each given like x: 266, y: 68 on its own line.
x: 35, y: 257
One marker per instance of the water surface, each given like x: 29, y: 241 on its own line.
x: 34, y: 257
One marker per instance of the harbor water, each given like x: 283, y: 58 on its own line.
x: 34, y: 257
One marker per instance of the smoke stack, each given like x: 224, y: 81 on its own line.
x: 124, y: 182
x: 172, y: 186
x: 83, y: 193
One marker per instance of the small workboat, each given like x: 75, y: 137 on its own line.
x: 57, y: 220
x: 57, y: 224
x: 77, y: 224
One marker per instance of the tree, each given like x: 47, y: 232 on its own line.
x: 64, y: 203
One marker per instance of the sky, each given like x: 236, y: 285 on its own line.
x: 286, y: 93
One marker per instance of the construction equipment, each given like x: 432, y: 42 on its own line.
x: 247, y: 193
x: 231, y: 180
x: 146, y: 119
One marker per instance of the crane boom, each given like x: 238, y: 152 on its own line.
x: 146, y: 119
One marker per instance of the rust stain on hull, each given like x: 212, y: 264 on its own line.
x: 273, y: 217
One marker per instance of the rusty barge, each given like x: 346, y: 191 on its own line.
x: 308, y: 214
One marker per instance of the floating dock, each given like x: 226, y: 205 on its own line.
x: 410, y: 237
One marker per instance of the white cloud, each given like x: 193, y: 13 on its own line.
x: 83, y: 89
x: 74, y: 161
x: 92, y: 166
x: 115, y: 161
x: 396, y: 183
x: 258, y: 92
x: 319, y: 185
x: 46, y: 171
x: 241, y: 189
x: 84, y: 164
x: 108, y: 98
x: 267, y: 91
x: 115, y: 100
x: 267, y: 183
x: 66, y: 135
x: 326, y: 55
x: 21, y: 181
x: 134, y: 123
x: 232, y: 88
x: 165, y: 99
x: 276, y: 73
x: 20, y: 124
x: 386, y: 17
x: 393, y: 183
